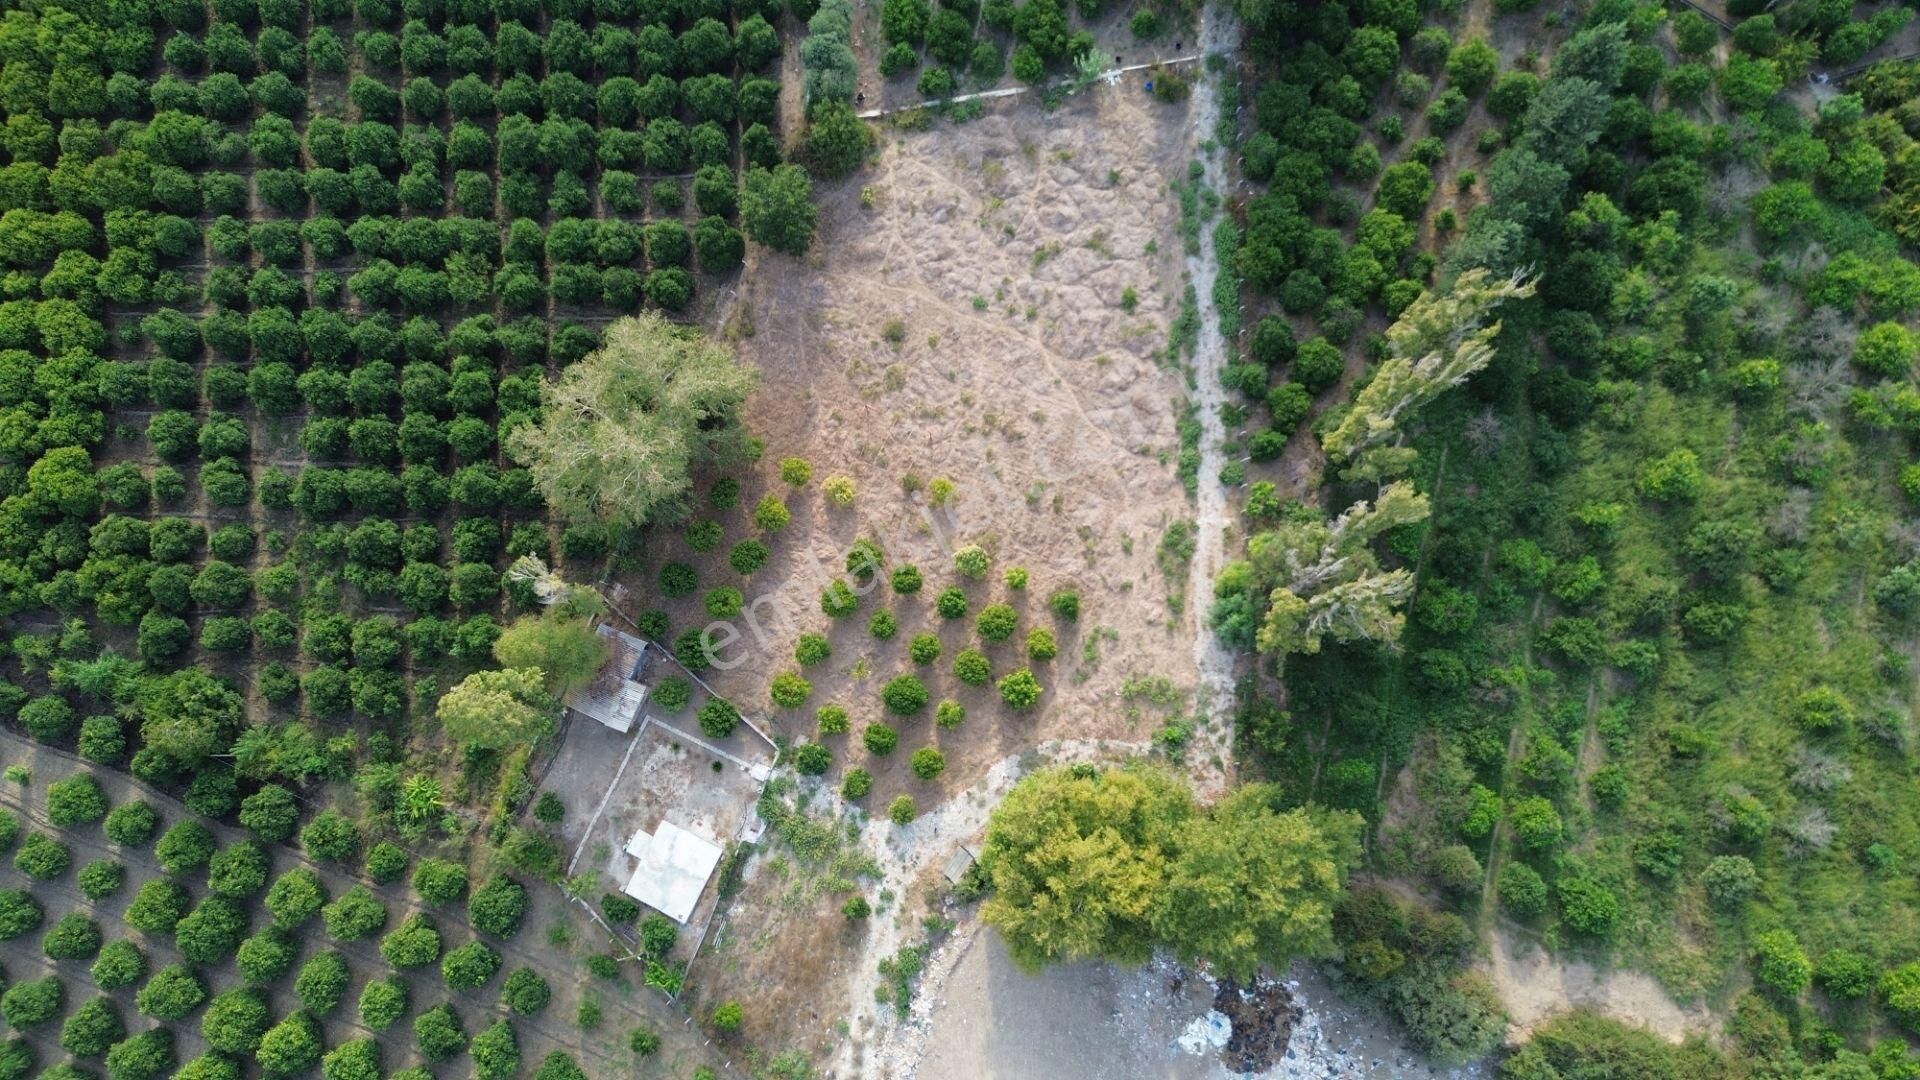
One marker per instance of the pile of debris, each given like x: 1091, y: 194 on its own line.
x: 1262, y: 1015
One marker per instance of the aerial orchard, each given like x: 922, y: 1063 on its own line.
x: 279, y: 281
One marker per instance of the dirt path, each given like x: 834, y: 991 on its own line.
x: 1210, y: 756
x: 905, y: 855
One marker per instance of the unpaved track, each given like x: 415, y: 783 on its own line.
x: 905, y: 854
x: 1211, y: 752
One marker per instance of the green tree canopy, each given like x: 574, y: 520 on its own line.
x: 189, y: 715
x: 625, y: 427
x: 498, y: 708
x: 1109, y: 864
x: 777, y: 208
x: 1078, y: 862
x: 566, y: 649
x: 1251, y: 885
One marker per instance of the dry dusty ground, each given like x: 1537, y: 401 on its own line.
x: 998, y: 253
x: 1537, y: 985
x: 962, y: 317
x: 1151, y: 1023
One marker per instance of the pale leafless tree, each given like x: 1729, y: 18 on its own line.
x: 1818, y: 389
x: 1826, y: 334
x: 1810, y: 832
x: 1485, y: 433
x: 1792, y: 520
x: 1819, y: 772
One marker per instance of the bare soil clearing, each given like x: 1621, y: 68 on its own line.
x: 1537, y: 986
x: 996, y: 253
x: 999, y: 1023
x: 962, y: 316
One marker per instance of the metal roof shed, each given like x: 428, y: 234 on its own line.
x: 672, y: 869
x: 615, y: 695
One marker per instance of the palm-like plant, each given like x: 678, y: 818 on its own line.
x: 555, y: 591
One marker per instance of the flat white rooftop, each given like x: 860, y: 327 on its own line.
x: 671, y: 870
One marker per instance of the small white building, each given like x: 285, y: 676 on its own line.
x: 616, y: 694
x: 671, y: 869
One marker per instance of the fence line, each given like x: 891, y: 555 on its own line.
x: 1014, y: 91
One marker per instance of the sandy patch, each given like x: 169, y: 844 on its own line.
x: 1537, y: 986
x: 1210, y: 757
x: 970, y: 325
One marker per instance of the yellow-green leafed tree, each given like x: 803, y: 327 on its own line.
x: 498, y: 708
x: 1252, y: 885
x: 1078, y: 861
x: 624, y: 429
x: 1088, y: 863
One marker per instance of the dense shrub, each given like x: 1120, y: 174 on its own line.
x: 120, y: 963
x: 322, y: 982
x: 20, y: 914
x: 880, y: 739
x: 1779, y: 964
x: 28, y: 1004
x: 970, y: 666
x: 355, y: 915
x: 235, y: 1021
x: 905, y: 695
x: 239, y: 870
x: 212, y: 931
x: 42, y: 858
x: 171, y: 994
x: 1019, y: 689
x: 266, y: 956
x: 295, y: 897
x: 73, y: 937
x: 440, y: 881
x: 525, y: 992
x: 718, y: 718
x: 1729, y: 880
x: 132, y: 824
x: 928, y: 762
x: 498, y: 906
x: 789, y: 690
x: 382, y: 1002
x: 812, y: 759
x: 439, y: 1033
x: 997, y: 622
x: 414, y: 944
x: 92, y: 1028
x: 469, y: 966
x: 77, y: 800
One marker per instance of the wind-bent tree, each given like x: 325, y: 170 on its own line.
x: 625, y: 427
x: 1436, y: 344
x: 1308, y: 579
